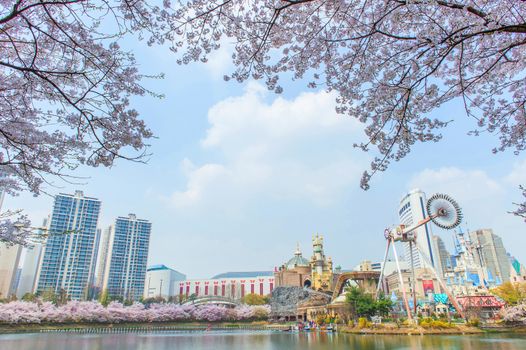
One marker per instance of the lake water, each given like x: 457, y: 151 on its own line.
x: 255, y: 341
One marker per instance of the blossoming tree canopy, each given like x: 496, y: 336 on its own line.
x: 391, y: 61
x: 65, y: 89
x: 65, y: 86
x: 18, y: 312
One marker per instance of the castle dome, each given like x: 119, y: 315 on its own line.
x: 297, y: 260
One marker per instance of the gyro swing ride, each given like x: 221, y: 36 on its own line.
x: 444, y: 212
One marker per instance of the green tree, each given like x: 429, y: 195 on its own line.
x: 104, y: 298
x: 254, y: 299
x: 49, y: 295
x: 363, y: 304
x: 383, y: 305
x: 154, y: 300
x: 182, y: 298
x: 511, y: 293
x: 29, y: 297
x: 192, y: 297
x: 62, y: 297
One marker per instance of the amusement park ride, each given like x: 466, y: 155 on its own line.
x: 444, y: 212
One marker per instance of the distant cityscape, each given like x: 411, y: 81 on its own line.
x: 79, y: 260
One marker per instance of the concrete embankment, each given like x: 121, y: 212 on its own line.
x: 136, y: 327
x: 388, y: 329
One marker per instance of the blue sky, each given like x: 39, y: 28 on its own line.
x: 238, y: 175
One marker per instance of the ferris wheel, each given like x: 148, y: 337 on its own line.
x: 444, y: 212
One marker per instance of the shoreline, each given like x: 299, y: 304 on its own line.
x: 457, y: 330
x: 132, y: 327
x: 235, y: 326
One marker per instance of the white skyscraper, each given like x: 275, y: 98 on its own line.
x: 31, y: 266
x: 9, y: 259
x: 103, y: 255
x: 442, y: 256
x: 412, y: 210
x: 491, y: 254
x: 29, y: 270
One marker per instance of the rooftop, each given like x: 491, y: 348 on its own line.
x: 245, y: 274
x: 159, y: 268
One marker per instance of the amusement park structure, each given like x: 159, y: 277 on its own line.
x: 444, y: 212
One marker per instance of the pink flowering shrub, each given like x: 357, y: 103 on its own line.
x: 514, y: 314
x: 20, y: 312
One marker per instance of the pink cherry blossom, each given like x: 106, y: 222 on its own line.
x: 18, y: 312
x: 391, y: 62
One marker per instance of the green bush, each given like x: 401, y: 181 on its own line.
x: 362, y: 322
x: 440, y: 324
x: 475, y: 322
x: 428, y: 322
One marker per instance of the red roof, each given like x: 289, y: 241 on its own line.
x: 480, y: 301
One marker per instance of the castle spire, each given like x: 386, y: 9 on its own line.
x: 298, y: 251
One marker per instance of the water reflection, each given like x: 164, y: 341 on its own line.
x: 257, y: 341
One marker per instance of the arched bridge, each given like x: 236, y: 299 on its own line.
x: 367, y: 280
x: 213, y: 299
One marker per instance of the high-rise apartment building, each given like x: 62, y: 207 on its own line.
x: 490, y: 253
x: 127, y: 258
x: 442, y: 257
x: 68, y: 258
x: 412, y: 210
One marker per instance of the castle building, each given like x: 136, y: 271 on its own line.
x: 295, y: 272
x: 299, y: 272
x: 321, y: 267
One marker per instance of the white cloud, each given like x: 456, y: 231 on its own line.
x: 296, y: 149
x: 466, y: 185
x: 517, y: 175
x: 220, y: 61
x: 199, y: 180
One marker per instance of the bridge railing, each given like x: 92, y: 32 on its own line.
x: 212, y: 299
